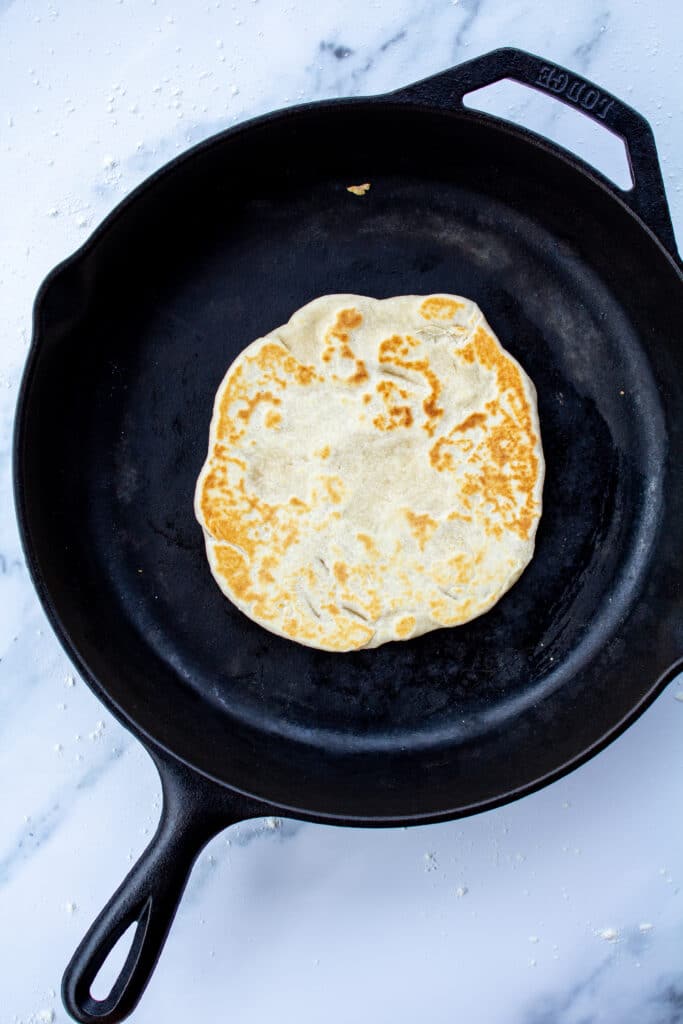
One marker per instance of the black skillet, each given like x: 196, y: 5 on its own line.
x: 133, y: 334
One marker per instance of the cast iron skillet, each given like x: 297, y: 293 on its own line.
x: 131, y: 338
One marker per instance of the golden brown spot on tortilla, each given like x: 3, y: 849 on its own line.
x: 437, y: 308
x: 347, y: 320
x: 421, y: 526
x: 273, y: 356
x: 334, y: 487
x: 300, y: 628
x: 438, y: 609
x: 337, y: 342
x: 232, y: 565
x: 451, y: 614
x: 432, y: 410
x: 373, y: 606
x: 367, y: 398
x: 392, y: 350
x: 464, y: 566
x: 273, y: 419
x: 402, y: 414
x: 289, y: 538
x: 219, y: 522
x: 398, y: 415
x: 475, y: 419
x: 347, y: 634
x: 304, y: 374
x: 324, y: 452
x: 439, y: 456
x: 459, y: 515
x: 524, y: 523
x: 270, y: 357
x: 360, y: 375
x: 341, y: 571
x: 234, y: 390
x: 405, y: 626
x: 368, y: 543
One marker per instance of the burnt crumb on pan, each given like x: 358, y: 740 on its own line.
x: 358, y: 190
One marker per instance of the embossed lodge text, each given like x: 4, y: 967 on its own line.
x: 574, y: 89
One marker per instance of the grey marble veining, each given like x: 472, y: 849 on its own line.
x: 565, y: 908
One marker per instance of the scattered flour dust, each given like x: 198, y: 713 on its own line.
x: 430, y: 861
x: 96, y: 734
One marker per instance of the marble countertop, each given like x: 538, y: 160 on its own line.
x: 565, y: 907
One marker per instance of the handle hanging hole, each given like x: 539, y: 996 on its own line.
x: 564, y: 125
x: 111, y: 968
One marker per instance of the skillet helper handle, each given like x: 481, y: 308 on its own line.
x: 647, y: 198
x: 149, y: 895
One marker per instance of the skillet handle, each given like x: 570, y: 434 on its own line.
x: 193, y: 812
x: 647, y: 198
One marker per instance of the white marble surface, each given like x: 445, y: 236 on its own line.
x: 565, y: 907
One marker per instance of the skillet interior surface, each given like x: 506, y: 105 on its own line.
x: 136, y: 333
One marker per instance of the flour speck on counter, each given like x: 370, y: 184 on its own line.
x: 430, y: 861
x: 97, y: 732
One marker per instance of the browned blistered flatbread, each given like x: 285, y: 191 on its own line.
x: 374, y: 471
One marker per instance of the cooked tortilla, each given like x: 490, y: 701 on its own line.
x: 374, y: 471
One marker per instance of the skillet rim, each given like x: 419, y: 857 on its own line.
x: 156, y: 746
